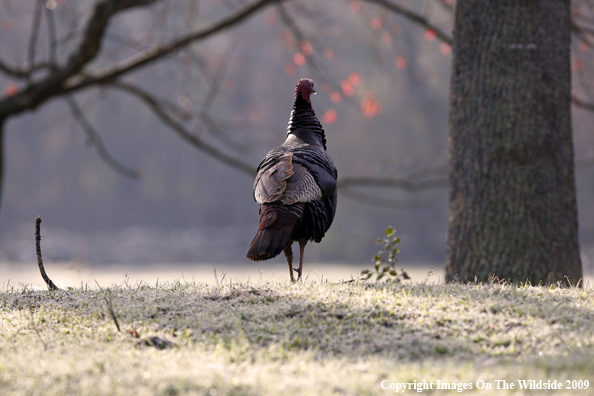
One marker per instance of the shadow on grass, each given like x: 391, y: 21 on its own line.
x: 410, y: 322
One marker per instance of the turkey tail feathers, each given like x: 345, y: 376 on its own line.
x: 276, y: 226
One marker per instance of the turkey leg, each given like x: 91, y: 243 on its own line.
x: 302, y: 243
x: 289, y: 256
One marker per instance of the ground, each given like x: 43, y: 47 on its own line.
x: 310, y: 338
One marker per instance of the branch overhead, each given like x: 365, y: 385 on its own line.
x: 94, y: 31
x: 52, y: 85
x: 157, y: 107
x: 70, y: 77
x: 94, y: 138
x: 413, y: 16
x: 402, y: 184
x: 382, y: 202
x: 582, y: 103
x: 157, y: 52
x: 63, y: 79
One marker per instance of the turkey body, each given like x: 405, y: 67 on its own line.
x: 295, y: 187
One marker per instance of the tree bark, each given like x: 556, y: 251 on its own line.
x: 512, y: 207
x: 2, y: 161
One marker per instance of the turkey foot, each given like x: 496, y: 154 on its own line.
x: 289, y: 256
x: 302, y: 243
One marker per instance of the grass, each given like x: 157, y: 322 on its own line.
x: 308, y: 338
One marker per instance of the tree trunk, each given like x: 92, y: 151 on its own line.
x: 2, y: 162
x: 3, y: 119
x: 512, y: 210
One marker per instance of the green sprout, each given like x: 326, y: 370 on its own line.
x: 385, y: 260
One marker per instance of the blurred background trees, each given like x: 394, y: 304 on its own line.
x: 382, y: 69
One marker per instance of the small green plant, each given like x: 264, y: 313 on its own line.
x: 385, y: 260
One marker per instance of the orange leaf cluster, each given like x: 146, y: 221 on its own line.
x: 430, y: 35
x: 347, y: 88
x: 299, y: 59
x: 445, y: 48
x: 376, y: 23
x: 370, y: 106
x: 355, y: 79
x: 329, y: 116
x: 335, y: 97
x: 355, y: 5
x: 578, y: 64
x: 306, y: 48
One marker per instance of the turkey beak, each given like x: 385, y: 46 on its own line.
x: 314, y: 92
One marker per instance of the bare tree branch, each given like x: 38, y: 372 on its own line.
x: 182, y: 132
x: 413, y: 16
x: 125, y: 41
x: 157, y: 52
x: 26, y: 71
x: 219, y: 133
x: 580, y: 29
x: 93, y: 33
x: 51, y: 34
x: 412, y: 182
x: 402, y: 184
x: 381, y: 202
x: 67, y: 79
x: 11, y: 71
x: 70, y: 77
x: 428, y: 171
x: 447, y: 7
x: 53, y: 84
x: 95, y: 139
x: 34, y: 33
x: 203, y: 115
x: 199, y: 61
x: 318, y: 70
x: 297, y: 34
x: 215, y: 79
x: 581, y: 103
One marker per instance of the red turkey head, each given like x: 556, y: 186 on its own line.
x: 305, y: 87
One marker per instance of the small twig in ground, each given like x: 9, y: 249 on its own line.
x: 112, y: 313
x: 50, y: 285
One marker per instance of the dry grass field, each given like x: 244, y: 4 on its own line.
x: 310, y: 338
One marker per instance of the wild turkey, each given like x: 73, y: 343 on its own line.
x: 295, y: 187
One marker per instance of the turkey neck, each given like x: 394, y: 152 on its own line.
x: 304, y: 125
